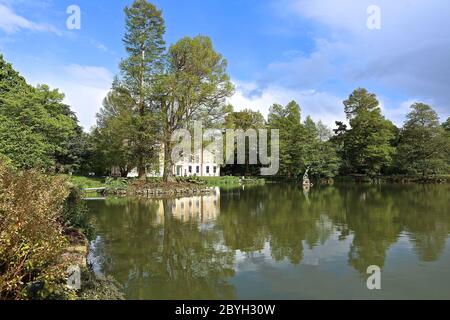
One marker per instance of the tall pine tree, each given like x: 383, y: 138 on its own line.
x: 140, y: 72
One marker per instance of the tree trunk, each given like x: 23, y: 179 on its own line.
x: 124, y: 172
x: 142, y: 173
x: 168, y: 163
x: 141, y: 161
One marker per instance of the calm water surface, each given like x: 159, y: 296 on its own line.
x: 277, y: 242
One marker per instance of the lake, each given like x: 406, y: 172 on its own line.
x: 278, y: 242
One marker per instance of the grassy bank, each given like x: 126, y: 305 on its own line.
x: 92, y: 182
x: 86, y: 182
x: 220, y: 181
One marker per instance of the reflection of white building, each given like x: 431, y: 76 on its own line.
x: 188, y: 166
x: 200, y: 208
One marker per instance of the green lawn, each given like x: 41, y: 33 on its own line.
x: 87, y: 182
x: 218, y: 181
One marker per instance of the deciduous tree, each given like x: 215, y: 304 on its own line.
x: 194, y: 88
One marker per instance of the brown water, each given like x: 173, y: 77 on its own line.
x: 278, y: 242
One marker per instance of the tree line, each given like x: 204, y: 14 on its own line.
x: 160, y: 89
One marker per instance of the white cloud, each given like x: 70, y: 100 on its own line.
x: 408, y: 57
x: 86, y: 101
x: 85, y: 88
x: 398, y: 114
x: 11, y: 22
x: 319, y: 105
x: 92, y: 76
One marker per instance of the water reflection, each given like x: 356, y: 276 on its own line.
x: 214, y: 247
x: 163, y: 249
x: 202, y: 209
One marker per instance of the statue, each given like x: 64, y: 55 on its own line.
x: 306, y: 182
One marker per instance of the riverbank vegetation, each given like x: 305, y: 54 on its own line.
x: 41, y: 218
x: 32, y: 237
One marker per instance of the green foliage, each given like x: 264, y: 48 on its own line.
x: 317, y: 154
x: 303, y: 145
x: 75, y: 214
x: 127, y: 125
x: 288, y: 121
x: 114, y: 138
x: 113, y: 183
x: 446, y: 125
x: 220, y: 181
x: 22, y: 146
x: 42, y: 130
x: 244, y: 120
x: 31, y: 235
x: 87, y: 182
x: 360, y: 101
x: 367, y: 147
x: 195, y: 88
x: 424, y: 145
x: 145, y: 46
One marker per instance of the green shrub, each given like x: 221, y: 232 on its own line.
x: 75, y: 214
x: 119, y: 183
x: 31, y: 235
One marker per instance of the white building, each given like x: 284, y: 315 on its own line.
x: 189, y: 166
x: 203, y: 209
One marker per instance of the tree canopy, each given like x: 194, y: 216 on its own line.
x: 37, y: 128
x: 424, y: 146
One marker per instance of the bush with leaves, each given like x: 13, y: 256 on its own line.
x: 120, y: 183
x: 75, y: 214
x: 31, y: 236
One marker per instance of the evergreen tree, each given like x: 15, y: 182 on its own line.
x: 319, y: 155
x: 367, y: 145
x: 116, y: 132
x: 423, y: 145
x: 288, y: 121
x: 140, y: 72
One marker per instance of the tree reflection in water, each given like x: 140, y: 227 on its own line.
x: 165, y: 249
x: 186, y: 248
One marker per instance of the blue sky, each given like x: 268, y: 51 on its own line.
x: 313, y: 51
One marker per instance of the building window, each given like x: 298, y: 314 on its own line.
x: 198, y: 169
x: 207, y: 169
x: 190, y: 169
x: 215, y: 170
